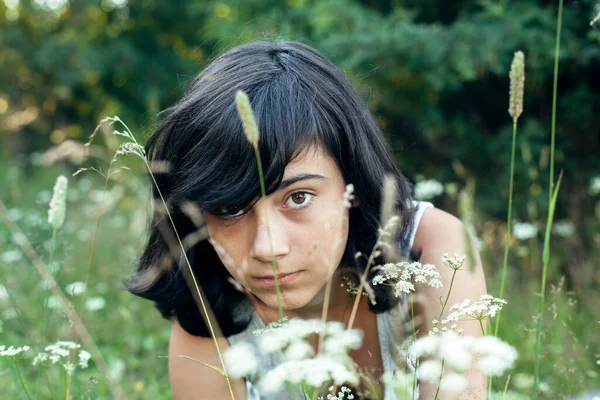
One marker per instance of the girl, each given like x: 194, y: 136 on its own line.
x: 316, y: 137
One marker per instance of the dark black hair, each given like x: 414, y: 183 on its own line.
x: 299, y: 99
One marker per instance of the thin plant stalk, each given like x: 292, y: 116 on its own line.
x: 20, y: 377
x: 447, y: 295
x: 546, y: 261
x: 508, y: 222
x: 263, y: 194
x: 196, y: 286
x: 250, y: 128
x: 51, y: 261
x: 414, y: 333
x: 437, y: 392
x: 552, y: 196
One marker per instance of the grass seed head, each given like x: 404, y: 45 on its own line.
x: 244, y: 109
x: 517, y: 85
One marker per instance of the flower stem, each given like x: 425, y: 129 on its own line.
x: 437, y: 392
x: 263, y: 194
x: 508, y: 221
x: 447, y: 295
x: 21, y: 378
x: 414, y: 333
x: 187, y: 261
x: 552, y: 196
x: 45, y: 310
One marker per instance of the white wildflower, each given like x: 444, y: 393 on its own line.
x: 349, y: 195
x: 62, y: 350
x: 563, y: 228
x: 84, y: 358
x: 274, y: 339
x: 299, y: 350
x: 430, y: 370
x: 95, y: 303
x: 12, y: 351
x: 404, y: 275
x: 58, y: 203
x: 428, y: 189
x: 341, y: 342
x: 594, y: 186
x: 75, y: 288
x: 455, y: 262
x: 41, y: 357
x: 313, y: 372
x: 486, y: 307
x: 453, y: 383
x: 497, y: 356
x: 69, y: 368
x: 3, y: 293
x: 300, y: 364
x: 524, y: 230
x: 240, y: 360
x: 457, y: 353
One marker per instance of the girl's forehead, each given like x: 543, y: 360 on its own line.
x: 312, y: 159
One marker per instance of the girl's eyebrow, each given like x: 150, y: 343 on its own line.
x: 302, y: 177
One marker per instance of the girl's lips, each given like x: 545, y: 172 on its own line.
x: 282, y: 279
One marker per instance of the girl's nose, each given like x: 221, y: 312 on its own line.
x: 261, y: 248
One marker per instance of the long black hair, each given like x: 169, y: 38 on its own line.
x: 299, y: 99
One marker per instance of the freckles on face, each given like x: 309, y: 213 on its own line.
x: 308, y: 230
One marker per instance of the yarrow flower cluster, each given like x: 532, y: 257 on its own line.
x: 343, y: 394
x: 58, y: 203
x: 486, y: 307
x: 349, y: 195
x: 451, y: 354
x: 404, y: 275
x: 455, y: 262
x: 62, y: 350
x: 300, y: 364
x: 12, y: 351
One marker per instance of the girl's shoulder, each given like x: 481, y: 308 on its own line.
x: 191, y: 372
x: 433, y: 226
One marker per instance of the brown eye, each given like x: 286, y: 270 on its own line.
x: 299, y: 200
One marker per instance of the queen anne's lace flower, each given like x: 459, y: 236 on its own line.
x: 62, y: 350
x: 453, y: 354
x: 240, y: 360
x: 301, y: 365
x: 486, y: 307
x: 12, y: 351
x: 455, y: 262
x: 404, y: 275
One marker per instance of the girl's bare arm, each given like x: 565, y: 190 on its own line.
x: 191, y: 379
x: 439, y: 232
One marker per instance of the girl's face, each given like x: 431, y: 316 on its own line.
x: 308, y: 226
